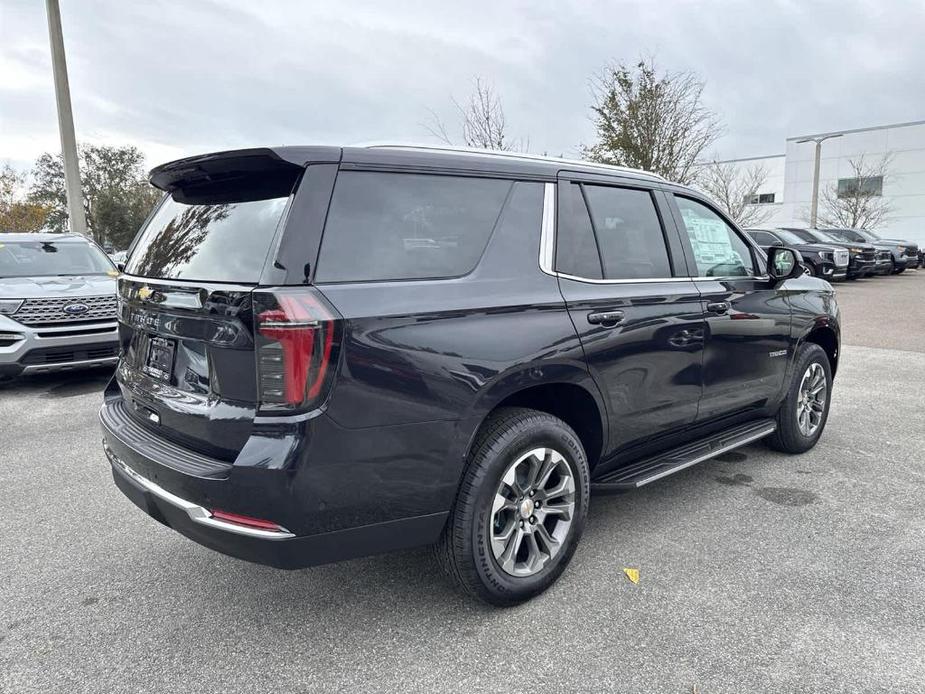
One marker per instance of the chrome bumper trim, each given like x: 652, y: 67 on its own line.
x: 198, y: 514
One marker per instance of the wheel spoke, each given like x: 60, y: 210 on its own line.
x: 510, y: 479
x: 546, y: 469
x: 561, y: 511
x: 502, y: 503
x: 552, y: 544
x: 509, y: 556
x: 564, y: 486
x: 534, y: 555
x: 500, y: 540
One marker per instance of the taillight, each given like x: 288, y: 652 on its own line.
x: 297, y: 336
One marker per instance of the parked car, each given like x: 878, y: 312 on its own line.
x: 862, y: 257
x: 827, y: 262
x: 331, y: 352
x: 57, y: 304
x: 901, y: 254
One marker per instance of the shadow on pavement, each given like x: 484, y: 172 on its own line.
x: 60, y: 384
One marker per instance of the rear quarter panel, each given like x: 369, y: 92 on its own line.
x: 424, y: 361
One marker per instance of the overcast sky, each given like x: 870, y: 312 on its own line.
x: 177, y: 78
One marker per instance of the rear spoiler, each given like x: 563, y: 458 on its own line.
x: 228, y: 173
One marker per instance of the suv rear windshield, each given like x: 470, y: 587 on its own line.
x: 221, y: 242
x: 44, y: 258
x: 395, y: 226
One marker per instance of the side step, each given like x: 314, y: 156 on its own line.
x: 648, y: 470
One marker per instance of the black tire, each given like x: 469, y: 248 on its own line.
x: 788, y: 437
x: 814, y: 270
x: 464, y: 550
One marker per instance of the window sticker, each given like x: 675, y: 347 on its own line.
x: 710, y: 241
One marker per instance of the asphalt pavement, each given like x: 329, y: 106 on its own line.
x: 758, y: 571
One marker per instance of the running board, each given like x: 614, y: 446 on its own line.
x: 650, y: 469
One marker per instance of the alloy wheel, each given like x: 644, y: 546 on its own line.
x: 532, y: 512
x: 811, y: 399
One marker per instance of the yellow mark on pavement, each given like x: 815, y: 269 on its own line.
x: 632, y: 574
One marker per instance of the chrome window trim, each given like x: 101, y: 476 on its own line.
x: 631, y: 280
x: 728, y: 278
x: 548, y: 244
x: 548, y: 229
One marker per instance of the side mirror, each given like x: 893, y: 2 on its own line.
x: 783, y: 263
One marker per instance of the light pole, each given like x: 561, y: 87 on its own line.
x: 75, y: 204
x: 815, y: 204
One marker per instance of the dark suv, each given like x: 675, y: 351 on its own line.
x: 902, y: 255
x: 827, y: 262
x: 331, y: 352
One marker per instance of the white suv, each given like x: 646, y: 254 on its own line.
x: 57, y: 304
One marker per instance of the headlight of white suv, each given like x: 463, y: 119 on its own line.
x: 9, y: 306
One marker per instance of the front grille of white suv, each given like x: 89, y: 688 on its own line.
x: 52, y: 311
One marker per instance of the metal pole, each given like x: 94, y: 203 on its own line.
x: 815, y: 204
x: 75, y: 206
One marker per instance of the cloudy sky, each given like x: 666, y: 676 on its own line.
x: 178, y: 77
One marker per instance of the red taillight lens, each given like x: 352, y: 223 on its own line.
x: 297, y: 337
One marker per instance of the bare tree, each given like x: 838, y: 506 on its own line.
x: 734, y: 188
x: 858, y: 203
x: 483, y: 123
x: 651, y: 120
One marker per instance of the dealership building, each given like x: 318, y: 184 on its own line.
x: 787, y: 191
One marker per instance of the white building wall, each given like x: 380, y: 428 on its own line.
x: 791, y: 176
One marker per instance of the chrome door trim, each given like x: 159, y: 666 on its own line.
x: 548, y: 229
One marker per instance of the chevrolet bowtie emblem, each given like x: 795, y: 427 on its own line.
x: 145, y: 293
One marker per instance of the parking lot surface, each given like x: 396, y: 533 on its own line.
x: 758, y: 571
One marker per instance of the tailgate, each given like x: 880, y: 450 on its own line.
x: 188, y: 369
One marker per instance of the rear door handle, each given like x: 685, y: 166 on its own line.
x: 606, y: 318
x: 718, y: 306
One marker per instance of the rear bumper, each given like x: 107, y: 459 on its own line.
x: 176, y: 489
x: 283, y: 550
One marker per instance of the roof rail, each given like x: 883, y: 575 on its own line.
x: 512, y: 155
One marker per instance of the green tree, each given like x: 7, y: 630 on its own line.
x: 651, y: 120
x: 17, y: 214
x: 117, y: 196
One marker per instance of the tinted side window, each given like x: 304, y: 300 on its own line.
x: 718, y: 250
x: 576, y: 249
x: 629, y: 233
x: 846, y: 235
x: 392, y: 226
x: 763, y: 238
